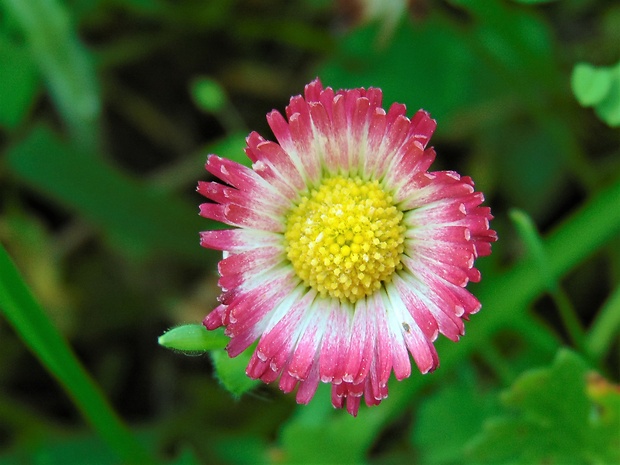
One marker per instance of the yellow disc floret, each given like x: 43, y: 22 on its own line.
x: 345, y: 238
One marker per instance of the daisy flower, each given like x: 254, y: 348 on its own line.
x: 347, y: 253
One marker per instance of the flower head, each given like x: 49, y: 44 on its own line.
x: 348, y: 255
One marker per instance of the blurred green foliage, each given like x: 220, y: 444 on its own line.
x: 108, y: 109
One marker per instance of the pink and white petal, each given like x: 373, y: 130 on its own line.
x: 435, y: 214
x: 243, y: 217
x: 422, y: 350
x: 220, y: 193
x: 244, y: 179
x: 383, y: 342
x: 304, y: 147
x: 244, y: 265
x: 249, y: 315
x: 306, y: 350
x: 314, y: 90
x: 287, y: 382
x: 454, y: 274
x: 405, y: 165
x: 308, y: 387
x: 337, y: 400
x: 392, y: 141
x: 377, y: 390
x: 286, y: 324
x: 215, y: 318
x: 235, y: 282
x: 375, y: 96
x: 334, y: 346
x: 358, y: 138
x: 326, y: 98
x: 323, y: 140
x: 396, y: 111
x: 275, y: 165
x: 238, y: 240
x: 297, y: 150
x: 271, y: 281
x: 361, y: 345
x: 400, y: 357
x: 417, y: 308
x: 423, y: 127
x: 340, y: 141
x: 374, y: 160
x: 372, y: 396
x: 441, y: 188
x: 256, y: 367
x: 353, y: 405
x: 440, y: 307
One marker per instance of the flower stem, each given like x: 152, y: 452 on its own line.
x: 527, y: 230
x: 605, y: 327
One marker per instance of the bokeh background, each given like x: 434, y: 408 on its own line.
x: 108, y: 109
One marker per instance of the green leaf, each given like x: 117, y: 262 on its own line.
x: 534, y: 2
x: 231, y: 371
x: 446, y: 421
x: 141, y: 219
x: 609, y: 109
x: 450, y: 70
x: 19, y: 82
x: 66, y: 64
x: 598, y: 87
x: 36, y: 330
x: 590, y: 85
x: 408, y: 72
x: 192, y: 339
x: 549, y: 418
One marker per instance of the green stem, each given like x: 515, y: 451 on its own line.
x: 47, y: 344
x: 496, y: 361
x: 605, y: 328
x: 529, y: 235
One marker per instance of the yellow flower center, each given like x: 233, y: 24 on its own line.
x: 345, y: 238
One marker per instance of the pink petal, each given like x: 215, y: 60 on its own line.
x: 238, y: 240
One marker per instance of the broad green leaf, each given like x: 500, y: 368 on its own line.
x: 241, y: 449
x: 320, y: 435
x: 142, y: 219
x: 193, y: 339
x: 550, y: 418
x: 231, y: 371
x: 19, y: 82
x: 408, y: 70
x: 534, y: 2
x: 598, y: 87
x: 450, y: 70
x: 66, y: 64
x: 609, y: 109
x: 186, y: 457
x: 590, y: 85
x: 532, y: 168
x: 76, y: 449
x: 518, y: 45
x: 447, y: 420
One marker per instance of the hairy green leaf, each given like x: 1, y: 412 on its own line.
x: 549, y: 417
